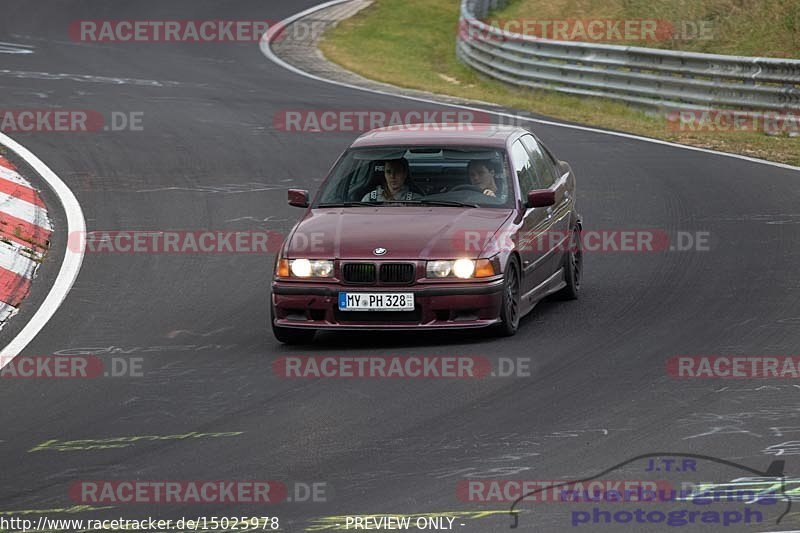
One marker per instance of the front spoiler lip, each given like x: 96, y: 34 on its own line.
x: 452, y: 290
x: 476, y: 324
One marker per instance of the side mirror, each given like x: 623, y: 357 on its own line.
x: 541, y: 198
x: 298, y: 197
x: 564, y: 167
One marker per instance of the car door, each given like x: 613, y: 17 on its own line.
x: 558, y: 215
x: 534, y: 221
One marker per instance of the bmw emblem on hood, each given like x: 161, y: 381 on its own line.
x: 379, y: 251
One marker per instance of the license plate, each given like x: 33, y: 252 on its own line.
x: 376, y: 301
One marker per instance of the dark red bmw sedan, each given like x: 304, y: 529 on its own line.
x: 430, y: 226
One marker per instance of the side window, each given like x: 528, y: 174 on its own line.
x: 522, y: 168
x: 542, y: 164
x: 551, y: 158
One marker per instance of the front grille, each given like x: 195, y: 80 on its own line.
x: 358, y: 272
x: 397, y: 273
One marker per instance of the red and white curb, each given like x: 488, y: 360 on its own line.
x: 25, y: 233
x: 70, y: 264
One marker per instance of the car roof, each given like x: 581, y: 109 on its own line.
x: 494, y: 135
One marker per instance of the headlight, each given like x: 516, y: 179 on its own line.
x: 310, y: 268
x: 439, y: 269
x: 461, y: 268
x: 464, y: 268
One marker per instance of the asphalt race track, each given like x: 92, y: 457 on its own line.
x: 209, y: 158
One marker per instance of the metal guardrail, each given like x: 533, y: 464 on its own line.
x: 645, y: 76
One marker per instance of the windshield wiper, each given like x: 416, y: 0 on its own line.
x: 350, y: 204
x: 450, y: 203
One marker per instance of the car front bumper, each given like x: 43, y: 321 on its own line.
x: 436, y: 306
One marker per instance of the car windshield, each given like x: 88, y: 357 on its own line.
x: 429, y: 175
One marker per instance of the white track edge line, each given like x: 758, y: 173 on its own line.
x: 265, y: 46
x: 70, y: 266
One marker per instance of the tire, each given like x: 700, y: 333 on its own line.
x: 573, y: 268
x: 511, y: 308
x: 290, y: 335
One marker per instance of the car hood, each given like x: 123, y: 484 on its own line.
x: 405, y: 232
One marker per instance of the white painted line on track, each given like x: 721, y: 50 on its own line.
x: 266, y: 49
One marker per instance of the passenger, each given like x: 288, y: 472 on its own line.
x: 395, y: 186
x: 482, y: 174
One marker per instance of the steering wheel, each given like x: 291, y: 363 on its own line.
x: 466, y: 187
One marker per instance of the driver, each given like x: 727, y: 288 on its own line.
x: 394, y: 187
x: 481, y: 174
